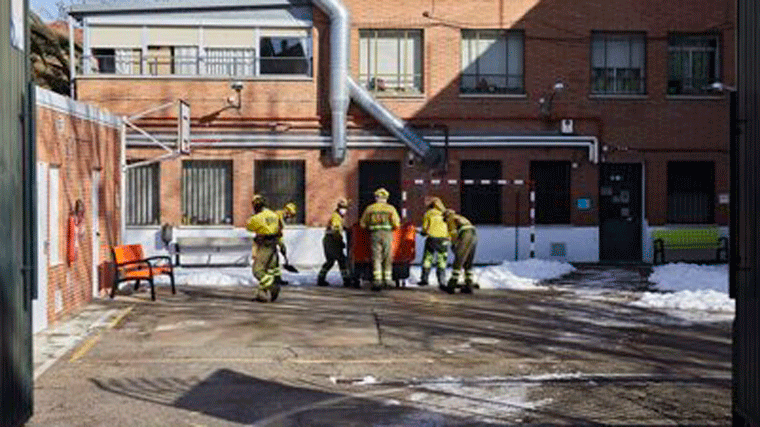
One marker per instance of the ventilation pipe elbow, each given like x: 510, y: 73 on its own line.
x: 340, y: 24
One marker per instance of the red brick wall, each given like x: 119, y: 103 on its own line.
x: 649, y: 129
x: 79, y: 147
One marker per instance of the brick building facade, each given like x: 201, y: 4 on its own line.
x: 634, y: 78
x: 78, y: 155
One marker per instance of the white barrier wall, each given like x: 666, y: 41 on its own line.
x: 495, y: 244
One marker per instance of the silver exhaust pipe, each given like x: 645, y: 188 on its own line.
x: 341, y: 85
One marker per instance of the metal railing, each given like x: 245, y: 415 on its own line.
x: 240, y: 65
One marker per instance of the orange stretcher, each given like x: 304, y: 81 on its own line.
x: 402, y: 251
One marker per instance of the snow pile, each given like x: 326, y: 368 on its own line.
x: 525, y: 275
x: 689, y: 287
x: 509, y: 275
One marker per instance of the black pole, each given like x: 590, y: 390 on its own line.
x: 733, y: 196
x: 517, y: 224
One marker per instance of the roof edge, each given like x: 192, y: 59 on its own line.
x: 78, y: 10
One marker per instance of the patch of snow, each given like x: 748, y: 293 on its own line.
x: 689, y: 287
x: 367, y: 380
x: 520, y: 275
x: 488, y: 402
x: 525, y: 274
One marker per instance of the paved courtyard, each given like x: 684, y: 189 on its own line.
x: 404, y: 357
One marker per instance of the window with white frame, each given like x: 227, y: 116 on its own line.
x: 206, y: 192
x: 693, y: 63
x: 390, y: 61
x: 143, y: 201
x: 230, y: 61
x: 618, y: 63
x: 492, y: 62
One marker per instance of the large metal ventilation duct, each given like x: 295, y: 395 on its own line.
x: 341, y: 85
x: 340, y: 25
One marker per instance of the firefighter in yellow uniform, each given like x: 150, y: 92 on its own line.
x: 437, y: 242
x: 333, y: 245
x: 381, y: 218
x: 285, y: 214
x: 465, y: 240
x: 268, y: 228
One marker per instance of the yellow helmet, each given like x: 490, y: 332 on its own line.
x: 435, y: 202
x: 342, y: 203
x: 382, y: 193
x: 290, y: 208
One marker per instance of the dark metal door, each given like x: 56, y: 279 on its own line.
x: 620, y: 212
x: 375, y: 174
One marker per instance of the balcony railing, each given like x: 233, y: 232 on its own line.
x: 244, y: 64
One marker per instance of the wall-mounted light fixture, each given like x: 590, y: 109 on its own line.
x: 545, y: 103
x: 237, y: 86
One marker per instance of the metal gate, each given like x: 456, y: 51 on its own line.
x: 16, y: 249
x: 744, y: 204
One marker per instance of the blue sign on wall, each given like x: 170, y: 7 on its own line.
x: 584, y: 203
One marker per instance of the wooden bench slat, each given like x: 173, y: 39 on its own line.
x: 688, y: 238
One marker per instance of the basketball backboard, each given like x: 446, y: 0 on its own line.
x: 183, y: 127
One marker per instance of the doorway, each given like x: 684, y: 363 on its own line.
x: 374, y: 174
x: 620, y: 212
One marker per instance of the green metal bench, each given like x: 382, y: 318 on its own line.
x: 689, y: 238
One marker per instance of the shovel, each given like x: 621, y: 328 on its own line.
x: 287, y: 265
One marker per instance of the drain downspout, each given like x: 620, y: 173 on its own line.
x: 339, y: 49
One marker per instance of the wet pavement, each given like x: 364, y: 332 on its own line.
x: 406, y: 357
x: 631, y: 278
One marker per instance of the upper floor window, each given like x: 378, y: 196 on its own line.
x: 222, y: 61
x: 618, y: 63
x: 285, y: 55
x: 390, y: 61
x: 230, y: 52
x: 492, y: 62
x: 693, y: 63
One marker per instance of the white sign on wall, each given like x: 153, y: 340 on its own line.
x: 18, y: 24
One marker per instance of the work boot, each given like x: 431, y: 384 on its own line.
x: 261, y: 295
x: 377, y: 286
x: 424, y: 277
x: 451, y: 286
x: 441, y: 275
x: 388, y: 284
x: 347, y: 282
x: 278, y: 280
x: 466, y: 289
x: 322, y: 282
x: 274, y: 292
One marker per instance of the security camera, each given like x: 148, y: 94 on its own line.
x: 236, y: 85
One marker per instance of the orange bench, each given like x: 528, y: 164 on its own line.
x: 130, y: 264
